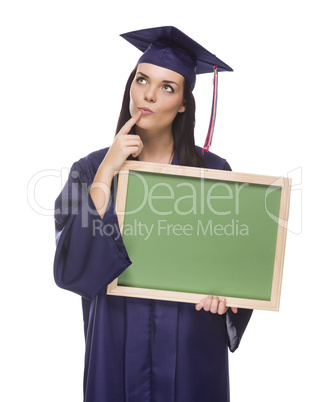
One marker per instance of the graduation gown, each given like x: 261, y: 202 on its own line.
x: 137, y: 350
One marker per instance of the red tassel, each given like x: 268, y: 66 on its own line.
x: 208, y: 141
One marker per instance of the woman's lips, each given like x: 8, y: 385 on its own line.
x: 145, y: 111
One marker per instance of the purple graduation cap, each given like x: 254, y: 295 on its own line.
x: 170, y: 48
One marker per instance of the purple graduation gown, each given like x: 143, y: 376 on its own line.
x: 137, y: 350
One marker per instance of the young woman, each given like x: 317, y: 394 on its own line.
x: 139, y: 349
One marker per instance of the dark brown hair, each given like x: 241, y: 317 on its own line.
x: 182, y: 126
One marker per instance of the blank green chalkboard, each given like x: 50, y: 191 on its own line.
x: 192, y: 232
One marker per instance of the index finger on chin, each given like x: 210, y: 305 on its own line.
x: 130, y: 123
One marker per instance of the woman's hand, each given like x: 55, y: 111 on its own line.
x: 214, y: 305
x: 124, y: 144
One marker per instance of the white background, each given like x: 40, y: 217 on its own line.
x: 63, y: 70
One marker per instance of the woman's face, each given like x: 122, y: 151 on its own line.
x: 158, y: 93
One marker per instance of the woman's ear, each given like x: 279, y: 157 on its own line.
x: 182, y: 108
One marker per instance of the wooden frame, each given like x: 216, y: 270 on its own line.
x: 277, y: 182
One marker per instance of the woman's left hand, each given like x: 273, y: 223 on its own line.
x: 214, y: 305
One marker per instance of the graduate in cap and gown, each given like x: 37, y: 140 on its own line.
x: 140, y: 350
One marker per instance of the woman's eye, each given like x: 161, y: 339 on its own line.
x: 168, y: 88
x: 141, y: 80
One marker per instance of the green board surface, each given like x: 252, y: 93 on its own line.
x: 204, y: 236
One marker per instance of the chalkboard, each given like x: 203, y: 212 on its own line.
x: 191, y: 232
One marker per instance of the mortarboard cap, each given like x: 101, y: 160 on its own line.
x: 170, y: 48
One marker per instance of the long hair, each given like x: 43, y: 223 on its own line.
x: 182, y: 126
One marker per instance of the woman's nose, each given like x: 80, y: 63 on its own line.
x: 150, y: 95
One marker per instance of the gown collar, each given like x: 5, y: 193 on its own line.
x: 175, y: 160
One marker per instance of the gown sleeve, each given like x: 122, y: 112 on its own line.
x: 90, y: 252
x: 236, y: 325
